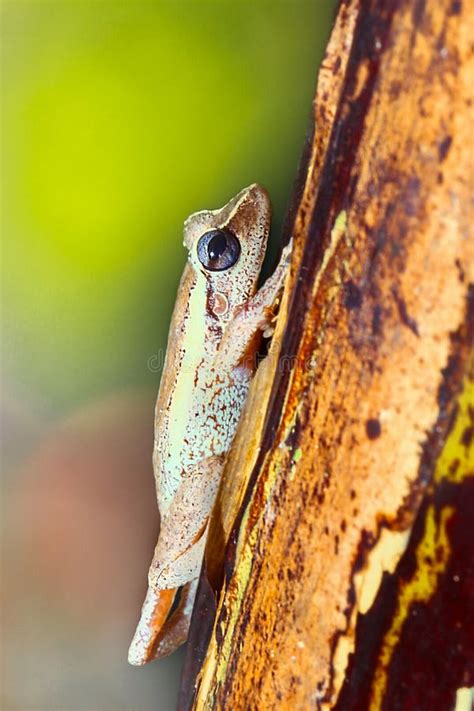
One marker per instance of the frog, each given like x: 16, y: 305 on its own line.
x: 216, y: 330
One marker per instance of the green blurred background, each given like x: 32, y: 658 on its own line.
x: 118, y: 120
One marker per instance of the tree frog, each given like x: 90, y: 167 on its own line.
x: 215, y: 332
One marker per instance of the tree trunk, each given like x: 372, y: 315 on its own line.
x: 346, y: 508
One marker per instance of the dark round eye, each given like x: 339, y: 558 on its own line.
x: 218, y: 250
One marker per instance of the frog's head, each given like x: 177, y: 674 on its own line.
x: 227, y: 247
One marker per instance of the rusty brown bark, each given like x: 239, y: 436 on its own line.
x: 345, y: 507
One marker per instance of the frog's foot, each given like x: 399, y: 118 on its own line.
x: 269, y: 328
x: 176, y: 565
x: 155, y: 611
x: 159, y: 632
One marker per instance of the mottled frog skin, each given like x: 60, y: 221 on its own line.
x: 214, y: 335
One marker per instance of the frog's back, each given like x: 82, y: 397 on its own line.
x: 185, y: 391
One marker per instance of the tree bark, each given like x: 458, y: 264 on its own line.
x: 339, y: 570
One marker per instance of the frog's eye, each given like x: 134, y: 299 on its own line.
x: 218, y: 250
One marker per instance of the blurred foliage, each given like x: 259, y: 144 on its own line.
x: 119, y: 119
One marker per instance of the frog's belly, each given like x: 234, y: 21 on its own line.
x: 201, y: 428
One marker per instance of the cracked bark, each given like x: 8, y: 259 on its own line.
x: 339, y: 566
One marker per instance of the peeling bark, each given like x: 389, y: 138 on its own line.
x: 345, y: 505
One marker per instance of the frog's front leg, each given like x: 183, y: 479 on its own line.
x: 256, y: 315
x: 268, y: 293
x: 176, y: 564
